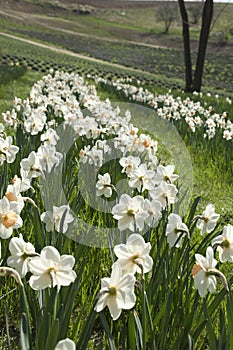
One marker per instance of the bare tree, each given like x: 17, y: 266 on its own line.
x: 195, y: 11
x: 194, y: 81
x: 167, y: 13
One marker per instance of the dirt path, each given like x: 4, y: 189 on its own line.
x: 38, y: 19
x: 71, y: 53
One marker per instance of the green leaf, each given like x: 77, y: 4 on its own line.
x: 52, y: 336
x: 210, y: 329
x: 192, y: 211
x: 165, y: 321
x: 107, y: 330
x: 131, y: 332
x: 85, y: 334
x: 139, y: 330
x: 24, y: 335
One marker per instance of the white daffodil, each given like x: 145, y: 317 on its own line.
x: 204, y: 272
x: 59, y: 218
x: 51, y: 269
x: 141, y: 178
x: 130, y: 213
x: 25, y: 183
x: 2, y: 152
x: 117, y: 292
x: 65, y: 344
x: 154, y: 210
x: 96, y: 156
x: 134, y: 255
x: 165, y: 173
x: 9, y: 218
x: 224, y: 244
x: 175, y: 230
x: 35, y: 121
x: 129, y: 163
x: 207, y: 220
x: 50, y: 137
x: 48, y: 157
x: 103, y: 185
x: 31, y: 165
x: 10, y: 150
x: 165, y: 194
x: 21, y: 253
x: 2, y: 127
x: 7, y: 150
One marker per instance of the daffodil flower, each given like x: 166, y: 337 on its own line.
x: 50, y: 269
x: 207, y: 220
x: 130, y: 213
x: 117, y: 292
x: 175, y: 230
x: 9, y: 218
x: 134, y: 255
x: 204, y: 273
x: 65, y: 344
x: 59, y: 218
x: 104, y: 186
x: 224, y: 244
x: 21, y: 253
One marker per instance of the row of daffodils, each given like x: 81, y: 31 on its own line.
x: 194, y: 114
x: 151, y: 188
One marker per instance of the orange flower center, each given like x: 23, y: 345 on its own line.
x: 11, y: 197
x: 146, y: 143
x: 14, y: 179
x: 196, y: 269
x: 9, y: 219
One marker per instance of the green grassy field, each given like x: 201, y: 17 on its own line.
x: 107, y: 32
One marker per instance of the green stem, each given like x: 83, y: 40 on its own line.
x: 55, y: 305
x: 144, y: 314
x: 26, y: 307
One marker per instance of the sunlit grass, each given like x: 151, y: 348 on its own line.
x: 20, y: 88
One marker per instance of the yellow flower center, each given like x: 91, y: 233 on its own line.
x: 112, y: 291
x: 225, y: 244
x: 50, y: 269
x: 130, y: 212
x: 9, y: 219
x: 134, y: 258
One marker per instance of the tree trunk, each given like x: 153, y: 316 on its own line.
x: 205, y: 30
x: 187, y: 51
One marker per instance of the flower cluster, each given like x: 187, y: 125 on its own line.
x: 48, y: 269
x: 204, y: 271
x: 146, y: 195
x: 168, y: 107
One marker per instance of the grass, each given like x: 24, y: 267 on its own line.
x: 159, y: 62
x: 17, y: 87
